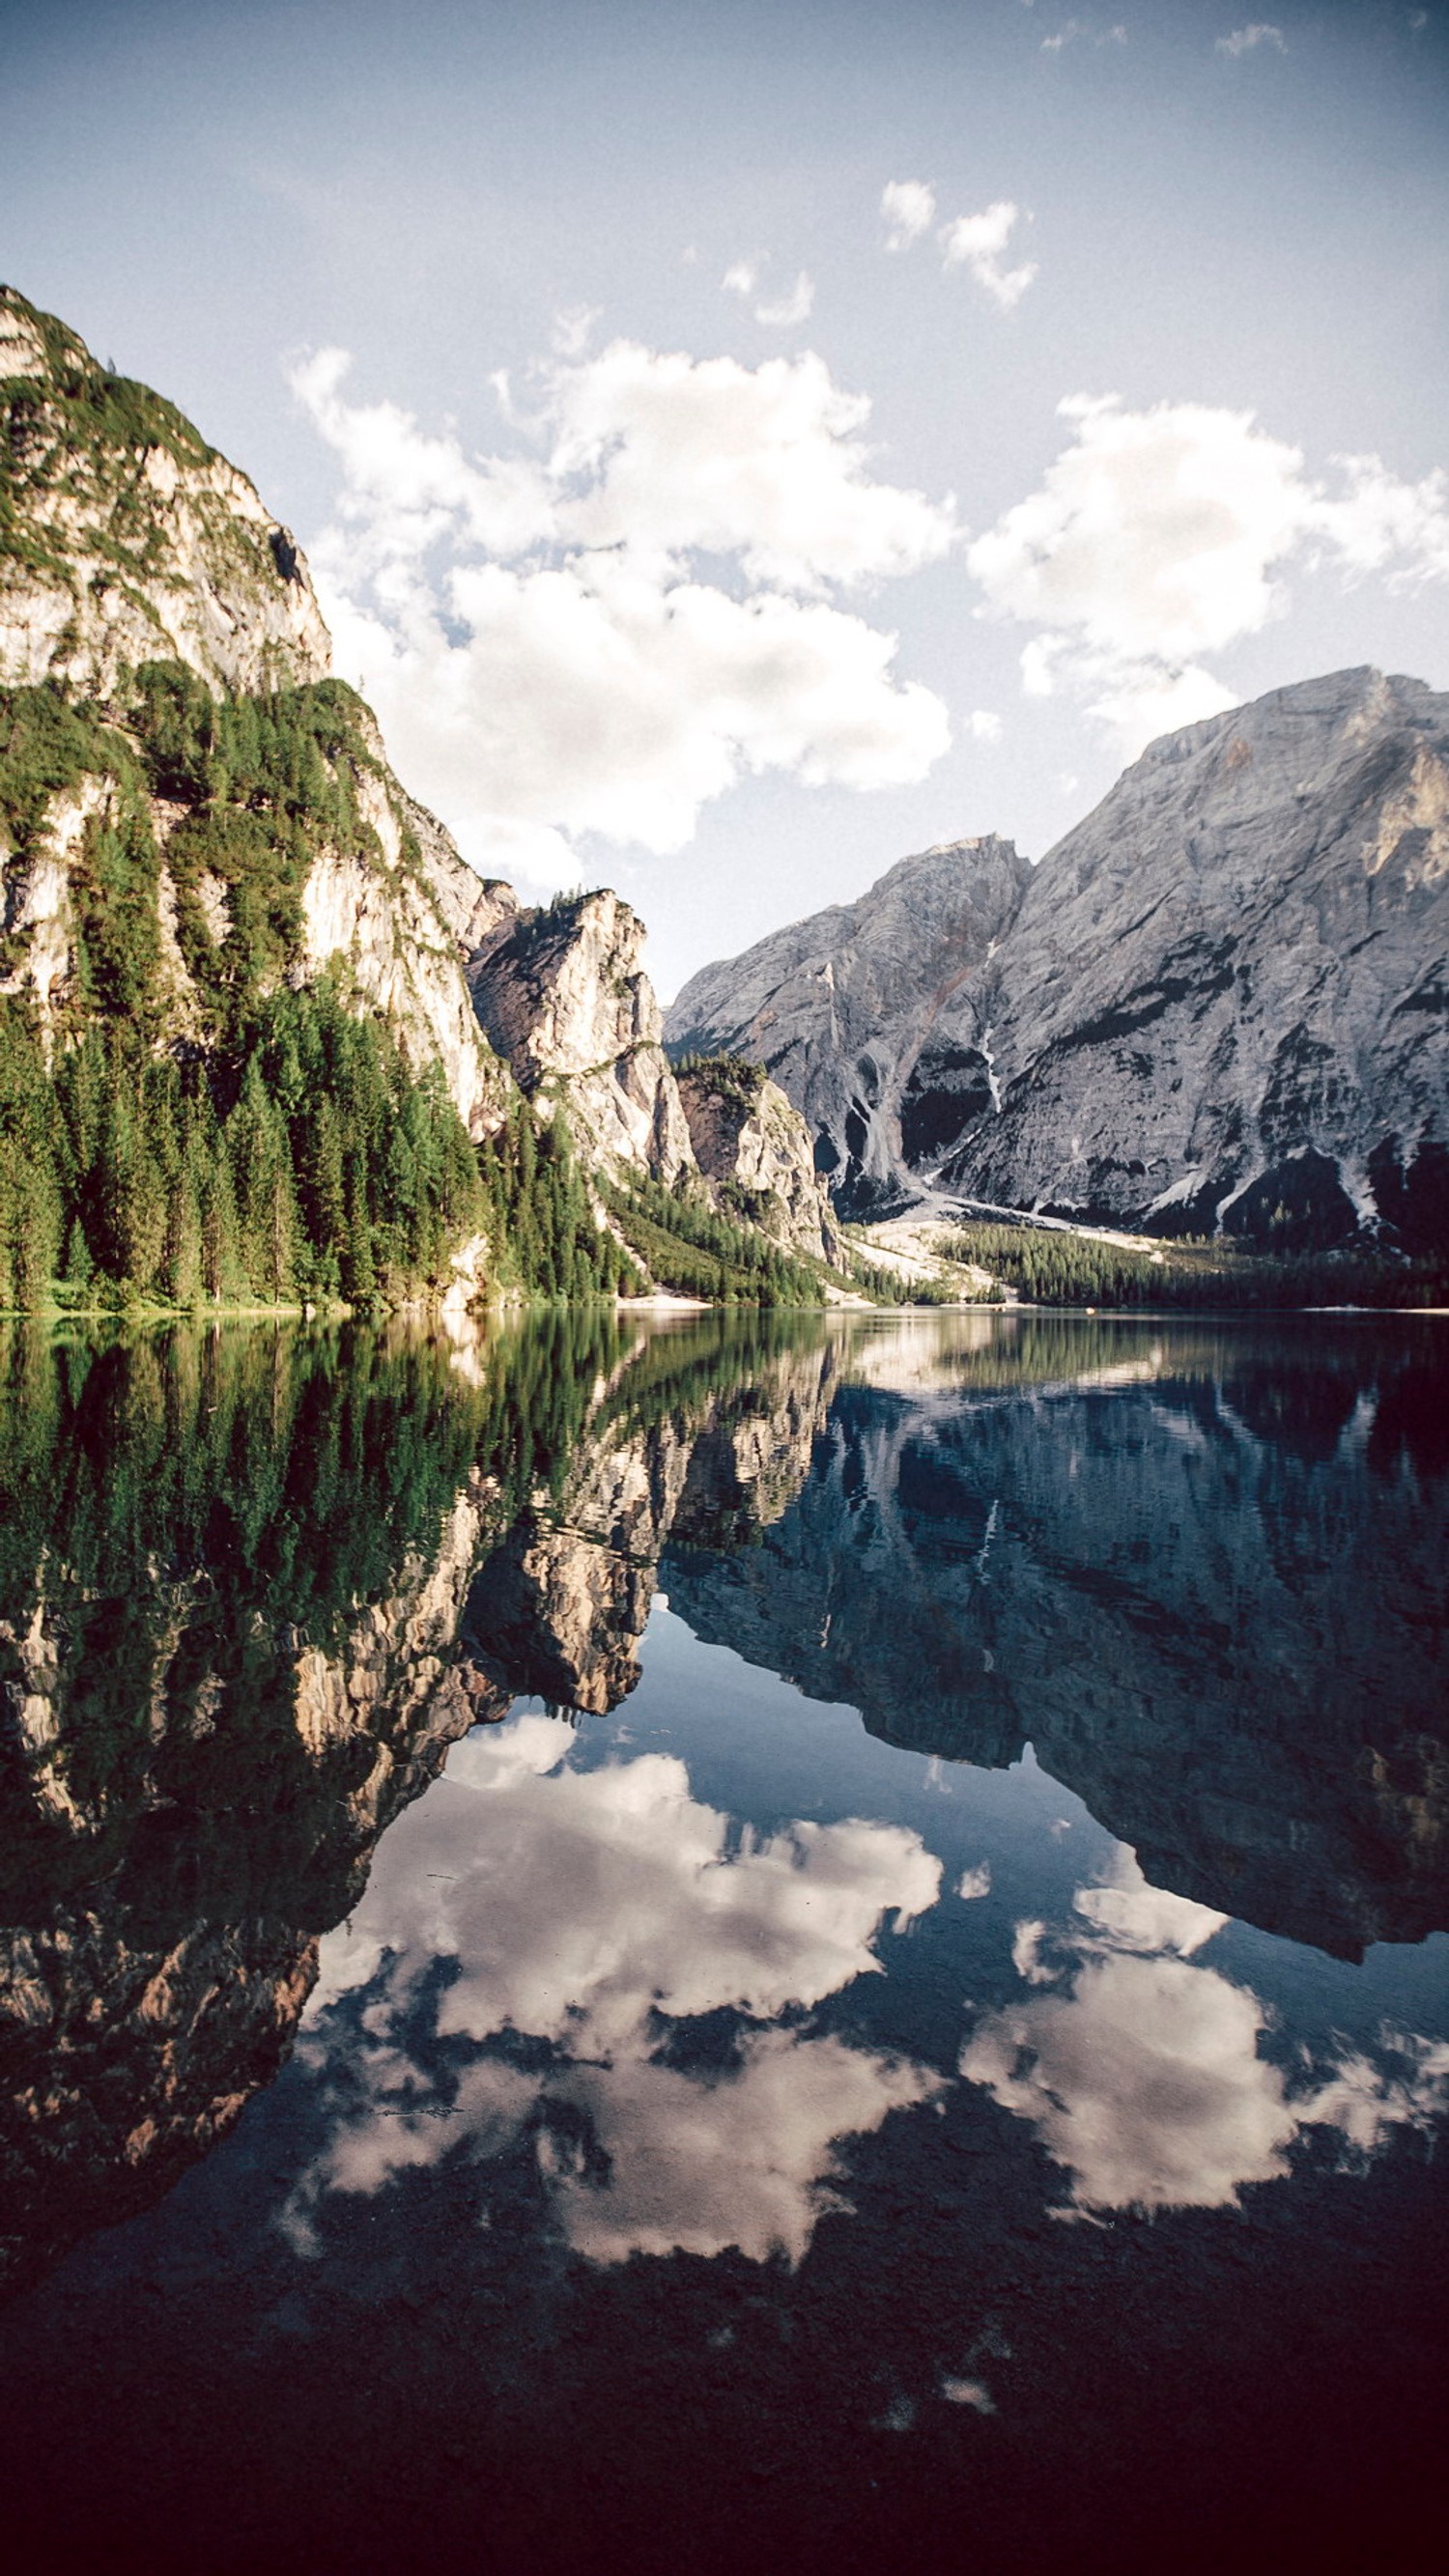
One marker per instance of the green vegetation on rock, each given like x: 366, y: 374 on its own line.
x: 687, y: 1247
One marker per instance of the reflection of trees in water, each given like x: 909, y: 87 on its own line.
x: 254, y: 1582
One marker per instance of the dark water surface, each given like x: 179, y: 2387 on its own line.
x: 775, y: 1944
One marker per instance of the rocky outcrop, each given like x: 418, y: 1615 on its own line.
x: 857, y: 1014
x: 130, y: 539
x: 564, y: 1000
x: 753, y: 1147
x: 1220, y: 1004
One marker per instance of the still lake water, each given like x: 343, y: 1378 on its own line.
x: 770, y: 1943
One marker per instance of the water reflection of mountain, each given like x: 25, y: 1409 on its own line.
x: 1205, y: 1584
x: 253, y: 1585
x: 231, y: 1571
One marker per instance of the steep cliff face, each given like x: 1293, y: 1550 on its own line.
x: 178, y: 772
x: 862, y: 1017
x: 1221, y: 1003
x: 129, y: 539
x: 564, y: 999
x: 1227, y: 992
x: 753, y: 1146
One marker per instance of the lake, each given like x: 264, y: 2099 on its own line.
x: 777, y: 1940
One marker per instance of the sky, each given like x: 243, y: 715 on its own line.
x: 741, y: 442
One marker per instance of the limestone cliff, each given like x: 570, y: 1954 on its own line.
x: 1226, y: 993
x: 133, y: 551
x: 752, y: 1144
x: 128, y: 539
x: 564, y: 999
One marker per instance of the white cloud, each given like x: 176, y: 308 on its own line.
x: 1246, y: 40
x: 1162, y: 536
x: 585, y: 1910
x: 1141, y: 2072
x: 574, y: 328
x: 792, y: 308
x: 1074, y: 28
x: 543, y: 654
x: 781, y: 315
x: 975, y: 1882
x: 978, y: 242
x: 909, y: 210
x: 983, y: 725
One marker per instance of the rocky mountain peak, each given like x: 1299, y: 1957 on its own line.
x: 128, y: 538
x: 1218, y: 1004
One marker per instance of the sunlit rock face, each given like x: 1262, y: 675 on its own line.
x: 132, y: 542
x: 1224, y: 995
x: 1116, y: 1575
x: 139, y: 541
x: 1218, y: 1005
x: 754, y: 1146
x: 564, y: 999
x: 849, y: 1013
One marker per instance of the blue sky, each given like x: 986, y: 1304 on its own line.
x: 687, y: 535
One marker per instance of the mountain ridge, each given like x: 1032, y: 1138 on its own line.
x: 1219, y: 1004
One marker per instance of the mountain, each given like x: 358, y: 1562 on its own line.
x: 1221, y: 1003
x: 247, y: 984
x: 843, y: 1008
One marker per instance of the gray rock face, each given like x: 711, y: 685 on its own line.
x: 1218, y: 1005
x: 859, y: 1014
x: 131, y: 539
x: 564, y: 1000
x: 1226, y: 989
x: 753, y: 1146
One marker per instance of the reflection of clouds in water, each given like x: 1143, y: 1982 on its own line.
x: 576, y: 1907
x: 1142, y: 2077
x: 738, y: 2163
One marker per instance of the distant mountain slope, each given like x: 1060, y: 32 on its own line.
x: 1220, y: 1002
x: 842, y: 1008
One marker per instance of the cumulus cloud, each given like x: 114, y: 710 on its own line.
x: 909, y: 210
x: 984, y: 725
x: 543, y: 648
x: 588, y: 1911
x: 978, y: 243
x: 1141, y: 2071
x: 1246, y: 40
x: 974, y: 242
x: 1159, y: 537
